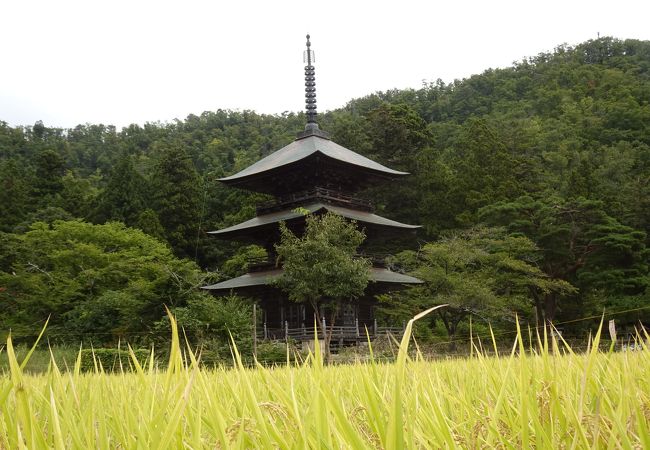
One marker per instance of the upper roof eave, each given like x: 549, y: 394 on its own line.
x: 302, y: 148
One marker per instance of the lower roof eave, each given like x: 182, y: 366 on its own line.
x: 266, y: 278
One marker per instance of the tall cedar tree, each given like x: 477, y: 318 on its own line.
x: 485, y: 171
x: 14, y: 194
x: 398, y: 137
x: 123, y: 197
x: 48, y: 180
x: 176, y: 198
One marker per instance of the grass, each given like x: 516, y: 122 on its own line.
x: 543, y: 398
x: 39, y: 362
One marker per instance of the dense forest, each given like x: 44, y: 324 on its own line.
x: 531, y: 183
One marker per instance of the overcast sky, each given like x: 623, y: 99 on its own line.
x: 117, y: 62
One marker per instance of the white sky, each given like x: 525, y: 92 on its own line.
x: 118, y: 62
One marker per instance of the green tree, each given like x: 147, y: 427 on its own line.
x: 48, y: 177
x: 398, y: 138
x: 397, y: 133
x: 351, y: 131
x: 149, y: 223
x: 79, y: 194
x: 485, y: 171
x: 580, y: 244
x: 176, y: 187
x: 321, y: 267
x: 210, y: 324
x: 481, y: 272
x: 239, y: 263
x: 47, y: 215
x: 123, y: 197
x: 14, y: 194
x: 95, y: 282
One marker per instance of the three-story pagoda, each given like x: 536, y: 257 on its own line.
x: 315, y: 174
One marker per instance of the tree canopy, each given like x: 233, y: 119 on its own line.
x: 94, y: 282
x: 481, y: 272
x: 555, y: 148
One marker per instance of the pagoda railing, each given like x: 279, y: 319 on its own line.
x: 339, y: 332
x: 261, y: 263
x: 378, y: 259
x: 326, y: 195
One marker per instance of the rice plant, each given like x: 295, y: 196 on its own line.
x: 547, y: 397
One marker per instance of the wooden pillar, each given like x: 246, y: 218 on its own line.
x: 266, y: 332
x: 286, y: 331
x: 255, y: 331
x: 374, y: 327
x: 356, y: 323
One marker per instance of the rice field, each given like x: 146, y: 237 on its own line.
x: 529, y: 398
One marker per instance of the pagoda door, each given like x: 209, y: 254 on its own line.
x: 295, y: 315
x: 349, y: 314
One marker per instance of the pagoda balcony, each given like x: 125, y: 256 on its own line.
x: 377, y: 259
x: 261, y: 264
x: 314, y: 195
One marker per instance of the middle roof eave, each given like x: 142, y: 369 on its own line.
x: 289, y: 214
x: 303, y: 148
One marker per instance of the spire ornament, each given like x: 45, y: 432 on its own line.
x: 311, y: 128
x: 310, y: 83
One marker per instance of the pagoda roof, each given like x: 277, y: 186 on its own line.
x: 301, y: 149
x: 256, y: 279
x: 290, y: 214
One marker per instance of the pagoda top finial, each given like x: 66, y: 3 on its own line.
x: 310, y: 86
x: 311, y: 128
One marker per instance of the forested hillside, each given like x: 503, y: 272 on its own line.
x: 532, y: 184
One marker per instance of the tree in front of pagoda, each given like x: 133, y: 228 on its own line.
x: 322, y: 268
